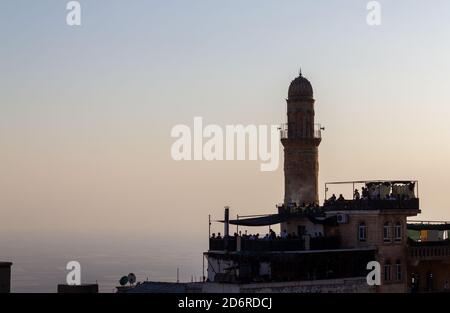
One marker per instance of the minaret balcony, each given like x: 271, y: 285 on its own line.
x: 289, y: 132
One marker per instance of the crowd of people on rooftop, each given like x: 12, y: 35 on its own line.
x: 379, y: 192
x: 269, y: 236
x: 304, y: 208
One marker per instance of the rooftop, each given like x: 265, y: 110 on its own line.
x: 5, y: 264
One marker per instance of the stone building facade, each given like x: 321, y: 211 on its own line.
x: 386, y: 231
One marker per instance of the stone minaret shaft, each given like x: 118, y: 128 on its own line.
x: 301, y: 141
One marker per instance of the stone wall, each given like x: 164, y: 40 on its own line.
x: 301, y: 170
x: 432, y: 276
x: 350, y: 285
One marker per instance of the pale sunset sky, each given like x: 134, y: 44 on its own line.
x: 86, y: 112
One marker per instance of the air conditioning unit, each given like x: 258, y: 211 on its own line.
x: 342, y: 218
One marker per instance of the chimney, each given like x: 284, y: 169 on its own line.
x: 226, y: 225
x: 226, y: 231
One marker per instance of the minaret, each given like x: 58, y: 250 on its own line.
x: 301, y: 140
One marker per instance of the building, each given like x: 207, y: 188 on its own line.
x: 301, y: 138
x: 326, y: 248
x: 428, y: 257
x: 5, y: 277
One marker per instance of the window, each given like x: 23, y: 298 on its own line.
x: 430, y: 281
x: 386, y: 232
x: 415, y: 282
x: 362, y: 232
x: 398, y: 270
x: 387, y: 271
x: 398, y: 231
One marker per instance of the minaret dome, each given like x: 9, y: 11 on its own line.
x: 300, y: 88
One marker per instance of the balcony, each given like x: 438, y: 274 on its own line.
x: 428, y: 240
x: 430, y: 250
x: 368, y: 204
x: 372, y: 195
x: 272, y: 245
x: 287, y: 132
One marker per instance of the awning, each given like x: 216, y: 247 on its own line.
x: 425, y: 226
x: 272, y: 219
x: 261, y: 220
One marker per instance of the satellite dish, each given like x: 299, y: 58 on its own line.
x: 123, y: 281
x: 131, y: 278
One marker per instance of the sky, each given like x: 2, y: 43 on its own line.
x: 86, y: 111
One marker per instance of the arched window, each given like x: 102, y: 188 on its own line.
x: 398, y: 270
x: 362, y: 231
x: 398, y: 231
x: 387, y: 271
x: 386, y: 232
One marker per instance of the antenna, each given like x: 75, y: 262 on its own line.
x: 123, y: 281
x: 131, y: 278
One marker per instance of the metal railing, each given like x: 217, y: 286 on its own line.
x: 289, y: 131
x: 257, y: 245
x: 436, y: 250
x: 367, y: 204
x: 376, y: 188
x: 273, y: 245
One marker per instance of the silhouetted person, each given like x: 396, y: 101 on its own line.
x: 365, y: 193
x: 356, y: 195
x: 272, y: 234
